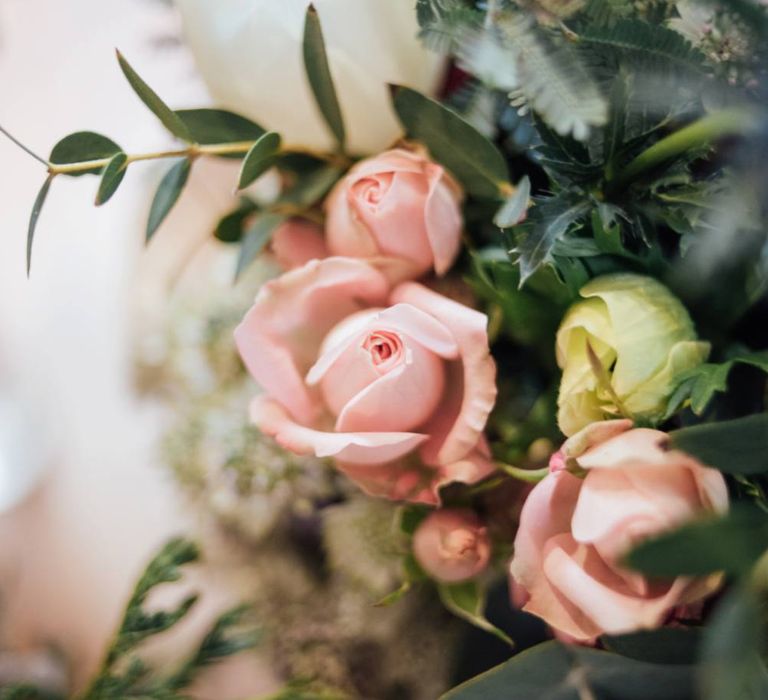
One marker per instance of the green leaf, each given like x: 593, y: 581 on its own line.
x: 735, y: 640
x: 737, y: 446
x: 467, y: 601
x: 547, y: 222
x: 514, y: 209
x: 229, y: 635
x: 211, y: 126
x: 311, y: 187
x: 554, y: 671
x: 170, y: 120
x: 703, y: 382
x: 111, y: 177
x: 732, y: 543
x: 83, y: 146
x: 667, y: 645
x: 230, y: 227
x: 319, y: 75
x: 256, y: 239
x: 167, y: 195
x: 24, y: 691
x: 138, y: 624
x: 453, y: 142
x: 657, y: 46
x: 37, y: 207
x: 259, y: 159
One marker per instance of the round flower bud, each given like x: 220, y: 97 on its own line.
x: 622, y: 350
x: 452, y: 545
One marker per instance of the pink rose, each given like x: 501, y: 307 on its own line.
x: 452, y: 545
x: 394, y: 384
x: 397, y: 205
x: 574, y: 531
x: 297, y: 241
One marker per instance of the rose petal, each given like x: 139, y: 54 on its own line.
x: 461, y: 420
x: 442, y: 218
x: 359, y: 448
x: 279, y: 337
x: 297, y: 242
x: 402, y: 399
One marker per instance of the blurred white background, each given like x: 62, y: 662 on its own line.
x: 71, y: 550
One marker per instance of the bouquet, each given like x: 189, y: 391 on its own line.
x: 508, y: 362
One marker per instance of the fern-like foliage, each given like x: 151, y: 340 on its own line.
x: 538, y: 73
x: 651, y: 48
x: 124, y: 674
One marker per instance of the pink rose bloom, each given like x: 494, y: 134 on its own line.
x: 452, y: 545
x: 394, y: 384
x: 396, y: 205
x: 297, y: 241
x: 574, y: 532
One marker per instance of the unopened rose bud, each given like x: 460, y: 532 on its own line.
x: 452, y: 545
x: 622, y: 350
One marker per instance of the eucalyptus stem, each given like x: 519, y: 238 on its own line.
x: 192, y: 151
x: 24, y: 148
x: 728, y: 122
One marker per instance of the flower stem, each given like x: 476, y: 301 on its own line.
x: 730, y: 122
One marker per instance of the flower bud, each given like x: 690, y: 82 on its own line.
x: 622, y: 350
x: 452, y: 545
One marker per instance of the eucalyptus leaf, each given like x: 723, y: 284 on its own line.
x: 111, y: 177
x: 737, y: 446
x: 514, y: 209
x: 666, y: 645
x: 467, y: 601
x: 170, y: 120
x: 167, y: 195
x: 311, y: 186
x: 453, y: 142
x: 732, y: 543
x: 230, y: 227
x: 319, y: 76
x: 256, y: 239
x: 259, y: 159
x: 558, y: 672
x: 733, y: 651
x: 81, y: 147
x: 37, y: 207
x: 211, y: 126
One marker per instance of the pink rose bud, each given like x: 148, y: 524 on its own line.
x: 452, y: 545
x: 397, y: 205
x: 297, y: 241
x: 575, y: 530
x: 395, y: 384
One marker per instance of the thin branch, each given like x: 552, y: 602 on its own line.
x: 23, y: 147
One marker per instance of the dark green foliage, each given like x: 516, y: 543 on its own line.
x: 732, y: 543
x: 81, y: 147
x: 212, y: 126
x: 555, y: 671
x: 452, y: 141
x: 320, y: 78
x: 168, y: 193
x: 170, y: 120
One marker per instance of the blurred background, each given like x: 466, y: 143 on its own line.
x: 83, y: 501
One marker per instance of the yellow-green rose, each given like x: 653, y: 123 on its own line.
x: 640, y: 338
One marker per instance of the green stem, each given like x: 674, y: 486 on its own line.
x: 531, y: 476
x: 192, y: 151
x: 728, y: 122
